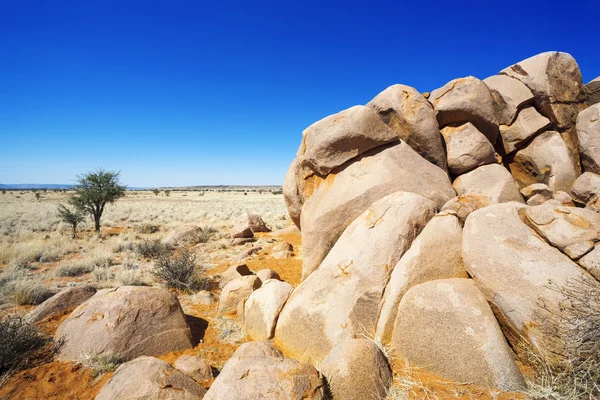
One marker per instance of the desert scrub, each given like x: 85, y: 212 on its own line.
x: 206, y: 234
x: 147, y: 229
x: 577, y: 373
x: 151, y: 248
x: 178, y: 271
x: 129, y: 278
x: 102, y: 363
x: 74, y: 269
x: 18, y: 288
x: 20, y: 343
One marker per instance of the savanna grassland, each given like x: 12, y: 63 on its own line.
x: 39, y: 257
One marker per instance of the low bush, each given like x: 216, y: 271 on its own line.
x: 74, y: 270
x: 147, y: 229
x: 101, y: 364
x: 151, y: 249
x: 129, y: 278
x: 17, y: 288
x: 178, y: 271
x: 20, y: 342
x: 206, y: 234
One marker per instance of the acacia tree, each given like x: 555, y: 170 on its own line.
x: 94, y: 191
x: 72, y: 218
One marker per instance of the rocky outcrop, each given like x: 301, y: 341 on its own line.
x: 344, y: 195
x: 339, y: 301
x: 150, y: 378
x: 182, y: 235
x: 493, y: 181
x: 356, y: 370
x: 411, y: 116
x: 61, y: 302
x: 592, y: 90
x: 262, y: 309
x: 510, y: 95
x: 439, y: 319
x: 434, y: 254
x: 127, y: 322
x: 257, y: 370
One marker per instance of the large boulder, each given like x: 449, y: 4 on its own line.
x: 262, y: 309
x: 518, y: 272
x: 586, y: 188
x: 592, y: 90
x: 467, y: 148
x: 528, y: 124
x: 236, y: 291
x: 150, y: 378
x: 128, y: 322
x: 555, y: 80
x: 234, y: 272
x: 340, y: 137
x: 345, y: 194
x: 257, y: 371
x: 545, y: 160
x: 184, y: 234
x: 411, y: 116
x: 442, y: 321
x: 356, y: 370
x: 466, y: 100
x: 573, y: 231
x: 434, y: 254
x: 510, y: 95
x: 588, y: 132
x: 493, y: 181
x: 61, y: 302
x: 339, y: 301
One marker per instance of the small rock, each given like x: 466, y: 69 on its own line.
x: 586, y: 187
x: 237, y: 271
x: 563, y: 198
x: 195, y: 367
x: 462, y: 206
x: 242, y: 240
x: 528, y: 124
x: 183, y: 235
x: 262, y: 308
x: 282, y: 250
x: 266, y: 274
x: 205, y: 297
x: 250, y: 252
x: 150, y: 378
x: 236, y: 291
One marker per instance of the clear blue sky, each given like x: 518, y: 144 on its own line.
x: 218, y: 92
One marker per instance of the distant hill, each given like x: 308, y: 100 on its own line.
x: 35, y: 186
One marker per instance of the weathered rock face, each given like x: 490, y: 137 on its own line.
x: 150, y: 378
x: 128, y: 322
x: 466, y: 100
x: 236, y: 291
x: 263, y: 307
x: 434, y: 254
x: 184, y: 234
x: 510, y: 95
x: 441, y: 319
x: 291, y: 194
x: 339, y: 301
x: 586, y: 188
x: 357, y: 370
x: 195, y: 367
x: 591, y: 262
x: 345, y: 194
x: 572, y: 230
x: 60, y: 302
x: 411, y: 116
x: 545, y: 160
x: 513, y: 267
x: 257, y: 370
x: 493, y: 181
x: 528, y: 124
x: 332, y: 141
x: 592, y: 90
x: 467, y: 148
x: 588, y: 132
x: 555, y: 80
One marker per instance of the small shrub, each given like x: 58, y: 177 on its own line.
x: 151, y: 248
x: 74, y: 270
x: 20, y: 342
x: 206, y: 234
x: 101, y: 363
x: 147, y: 229
x: 129, y: 278
x: 178, y: 271
x: 18, y: 289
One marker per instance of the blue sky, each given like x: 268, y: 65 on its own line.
x: 197, y: 92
